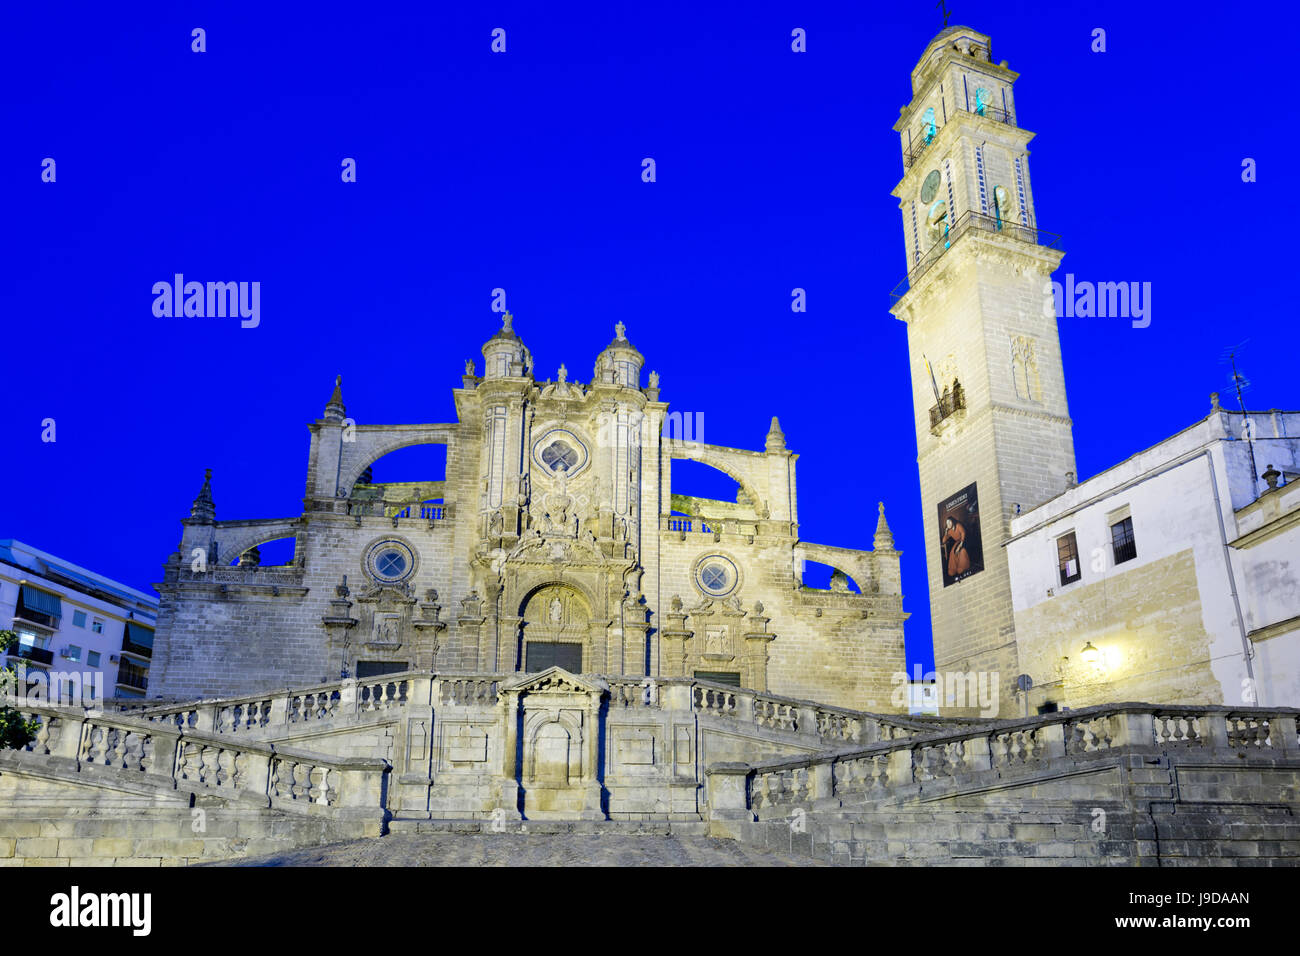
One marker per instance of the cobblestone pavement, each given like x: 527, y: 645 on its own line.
x: 513, y: 849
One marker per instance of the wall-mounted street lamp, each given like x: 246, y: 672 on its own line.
x: 1090, y: 654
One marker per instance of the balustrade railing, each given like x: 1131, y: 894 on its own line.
x: 265, y: 715
x: 894, y: 767
x: 283, y: 777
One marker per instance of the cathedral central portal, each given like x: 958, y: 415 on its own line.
x: 556, y: 630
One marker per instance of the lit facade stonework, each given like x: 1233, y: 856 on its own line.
x: 553, y: 539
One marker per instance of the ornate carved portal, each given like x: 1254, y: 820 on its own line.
x: 717, y: 637
x: 555, y: 630
x: 559, y: 599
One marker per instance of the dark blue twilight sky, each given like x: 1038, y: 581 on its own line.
x: 522, y: 171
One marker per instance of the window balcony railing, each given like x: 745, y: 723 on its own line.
x: 133, y: 677
x: 950, y: 403
x: 139, y: 650
x: 37, y: 655
x: 930, y: 131
x: 919, y: 145
x: 964, y: 224
x: 28, y: 615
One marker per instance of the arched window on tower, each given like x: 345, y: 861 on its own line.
x: 982, y: 99
x: 927, y: 125
x: 937, y: 223
x: 1003, y: 205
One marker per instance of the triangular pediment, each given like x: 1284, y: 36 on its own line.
x: 555, y: 680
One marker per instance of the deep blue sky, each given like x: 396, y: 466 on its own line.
x: 522, y: 171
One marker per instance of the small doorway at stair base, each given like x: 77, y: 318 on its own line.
x: 368, y: 669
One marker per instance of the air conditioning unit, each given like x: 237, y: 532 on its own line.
x: 115, y: 658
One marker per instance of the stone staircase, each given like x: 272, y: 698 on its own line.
x: 1121, y: 784
x: 579, y: 757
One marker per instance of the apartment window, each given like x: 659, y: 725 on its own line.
x: 73, y: 653
x: 37, y: 606
x: 97, y: 626
x: 1121, y: 541
x: 79, y: 618
x: 28, y: 638
x: 92, y: 659
x: 1067, y: 558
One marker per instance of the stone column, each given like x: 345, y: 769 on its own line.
x: 675, y: 639
x: 1282, y: 732
x: 590, y: 771
x: 509, y: 735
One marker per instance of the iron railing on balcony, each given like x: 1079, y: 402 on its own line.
x: 918, y: 146
x: 37, y: 655
x: 950, y: 402
x: 928, y: 132
x: 136, y: 677
x: 140, y: 650
x: 965, y: 223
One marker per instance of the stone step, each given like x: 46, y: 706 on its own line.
x: 613, y: 827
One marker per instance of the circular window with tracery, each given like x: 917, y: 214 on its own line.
x: 560, y: 452
x: 390, y: 560
x: 716, y: 575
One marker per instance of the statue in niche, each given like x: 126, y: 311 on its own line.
x: 556, y: 612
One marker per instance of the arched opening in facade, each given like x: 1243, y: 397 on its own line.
x: 554, y: 630
x: 823, y: 577
x: 276, y: 552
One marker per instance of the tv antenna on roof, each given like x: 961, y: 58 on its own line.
x: 1239, y: 384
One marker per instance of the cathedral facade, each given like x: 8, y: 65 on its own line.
x: 554, y: 538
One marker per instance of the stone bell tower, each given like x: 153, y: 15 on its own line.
x: 988, y: 392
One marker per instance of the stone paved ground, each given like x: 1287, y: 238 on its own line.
x: 513, y: 849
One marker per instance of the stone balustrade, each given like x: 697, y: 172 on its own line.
x: 350, y: 699
x: 897, y: 767
x: 171, y: 754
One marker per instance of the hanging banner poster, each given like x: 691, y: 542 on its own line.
x: 961, y: 547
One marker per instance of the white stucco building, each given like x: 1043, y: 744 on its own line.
x: 73, y: 624
x: 1171, y: 577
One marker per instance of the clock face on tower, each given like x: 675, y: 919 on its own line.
x: 930, y: 186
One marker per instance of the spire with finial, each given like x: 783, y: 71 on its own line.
x: 775, y: 437
x: 203, y: 509
x: 884, y: 540
x: 334, y: 410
